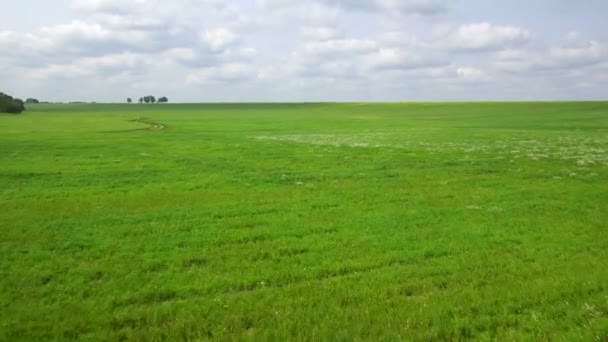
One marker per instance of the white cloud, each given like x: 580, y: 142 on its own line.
x: 484, y: 36
x: 231, y: 72
x: 573, y: 53
x: 424, y: 7
x: 471, y: 74
x: 274, y: 4
x: 78, y: 31
x: 112, y: 6
x: 319, y: 33
x: 421, y: 7
x: 280, y: 47
x: 589, y: 52
x: 393, y: 58
x: 182, y: 54
x: 89, y: 66
x: 219, y: 38
x: 338, y: 46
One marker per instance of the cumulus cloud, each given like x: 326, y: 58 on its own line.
x: 219, y: 38
x: 573, y: 53
x: 471, y: 74
x: 110, y: 6
x: 577, y: 51
x: 230, y: 72
x: 423, y: 7
x: 484, y: 36
x: 281, y: 47
x: 92, y: 66
x: 335, y: 47
x: 112, y: 30
x: 393, y: 58
x: 275, y: 4
x: 318, y: 32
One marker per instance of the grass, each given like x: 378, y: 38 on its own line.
x: 305, y: 222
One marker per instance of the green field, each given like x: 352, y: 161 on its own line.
x: 305, y: 222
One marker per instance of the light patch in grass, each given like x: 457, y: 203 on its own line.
x: 582, y: 151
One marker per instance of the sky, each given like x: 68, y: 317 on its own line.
x: 299, y: 51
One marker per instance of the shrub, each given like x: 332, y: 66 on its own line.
x: 10, y: 105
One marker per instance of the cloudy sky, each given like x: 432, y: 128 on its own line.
x: 296, y: 50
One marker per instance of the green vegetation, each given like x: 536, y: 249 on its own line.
x: 150, y: 99
x: 10, y: 105
x: 305, y: 222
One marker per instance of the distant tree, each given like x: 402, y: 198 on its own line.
x: 31, y: 100
x: 10, y: 105
x: 129, y: 100
x: 163, y: 99
x: 148, y: 99
x: 20, y: 105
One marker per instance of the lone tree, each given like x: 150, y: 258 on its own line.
x: 141, y: 100
x: 163, y: 99
x: 129, y: 100
x: 10, y: 105
x: 31, y: 100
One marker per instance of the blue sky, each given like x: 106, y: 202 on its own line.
x: 317, y: 50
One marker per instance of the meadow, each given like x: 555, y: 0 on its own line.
x: 420, y: 221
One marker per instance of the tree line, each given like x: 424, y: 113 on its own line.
x: 8, y: 104
x: 150, y: 99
